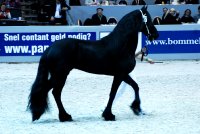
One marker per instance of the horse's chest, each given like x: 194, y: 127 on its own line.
x: 127, y: 65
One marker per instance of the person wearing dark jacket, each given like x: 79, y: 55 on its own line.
x: 74, y: 3
x: 138, y: 2
x: 99, y: 18
x: 191, y: 2
x: 187, y: 18
x: 122, y: 2
x: 58, y: 13
x: 171, y: 17
x: 160, y: 2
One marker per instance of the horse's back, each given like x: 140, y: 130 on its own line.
x: 71, y: 51
x: 89, y: 56
x: 61, y: 51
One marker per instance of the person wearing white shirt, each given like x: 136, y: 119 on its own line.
x: 58, y: 14
x: 91, y: 2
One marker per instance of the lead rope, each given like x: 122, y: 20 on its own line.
x: 144, y: 17
x: 145, y: 21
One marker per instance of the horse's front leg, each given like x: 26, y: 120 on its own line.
x: 135, y: 106
x: 107, y: 114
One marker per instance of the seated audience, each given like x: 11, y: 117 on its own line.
x: 165, y: 9
x: 160, y: 1
x: 12, y: 3
x: 175, y: 2
x: 17, y: 4
x: 99, y: 18
x: 4, y: 13
x: 138, y: 2
x: 187, y: 18
x: 88, y: 22
x: 91, y: 2
x: 122, y: 2
x: 112, y: 2
x: 191, y: 1
x: 157, y: 21
x: 58, y: 14
x: 112, y: 21
x: 104, y: 2
x: 74, y: 3
x: 8, y: 3
x: 171, y: 17
x: 79, y: 22
x: 197, y: 16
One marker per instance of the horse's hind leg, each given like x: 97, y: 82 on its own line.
x: 59, y: 82
x: 107, y: 114
x: 135, y: 106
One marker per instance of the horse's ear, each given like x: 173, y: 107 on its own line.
x: 144, y: 8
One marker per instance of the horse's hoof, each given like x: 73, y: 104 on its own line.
x: 35, y: 116
x: 137, y: 112
x: 136, y: 108
x: 64, y: 118
x: 108, y: 116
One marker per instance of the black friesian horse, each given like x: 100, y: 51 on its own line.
x: 113, y: 55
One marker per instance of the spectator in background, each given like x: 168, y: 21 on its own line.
x: 74, y: 3
x: 99, y: 18
x: 112, y: 21
x: 7, y: 3
x: 157, y: 20
x: 171, y: 17
x: 191, y: 1
x: 4, y: 13
x: 122, y: 2
x: 197, y: 16
x: 104, y: 2
x: 187, y: 18
x: 88, y: 22
x: 58, y: 14
x: 138, y: 2
x: 175, y: 2
x: 112, y: 2
x: 165, y: 9
x: 12, y: 3
x: 90, y: 2
x: 160, y: 1
x: 182, y: 1
x: 17, y: 4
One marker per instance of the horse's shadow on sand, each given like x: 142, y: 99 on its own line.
x: 87, y: 119
x: 75, y: 120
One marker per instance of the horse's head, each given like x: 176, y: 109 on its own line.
x: 148, y: 27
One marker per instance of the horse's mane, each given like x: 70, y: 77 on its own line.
x: 124, y: 36
x: 128, y: 25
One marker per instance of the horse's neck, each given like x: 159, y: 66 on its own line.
x: 125, y: 34
x: 121, y: 41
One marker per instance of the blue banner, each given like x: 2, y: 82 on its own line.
x: 34, y: 44
x: 174, y: 42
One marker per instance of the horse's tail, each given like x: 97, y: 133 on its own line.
x: 38, y: 98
